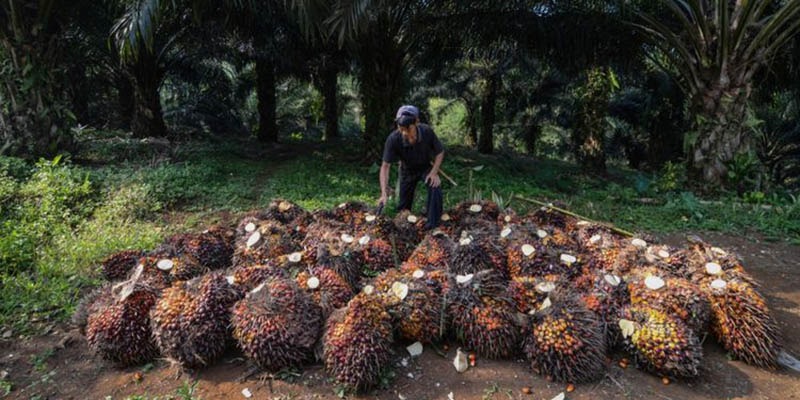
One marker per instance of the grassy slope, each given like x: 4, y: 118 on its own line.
x: 145, y: 195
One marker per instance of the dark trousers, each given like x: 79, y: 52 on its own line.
x: 434, y: 202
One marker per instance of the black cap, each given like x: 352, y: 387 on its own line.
x: 406, y: 121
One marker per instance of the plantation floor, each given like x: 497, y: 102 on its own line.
x: 58, y: 366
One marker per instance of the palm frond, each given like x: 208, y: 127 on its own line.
x: 135, y: 30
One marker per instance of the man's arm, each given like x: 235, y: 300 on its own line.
x: 384, y: 179
x: 433, y: 176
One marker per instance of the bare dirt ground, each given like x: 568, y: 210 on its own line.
x: 59, y: 365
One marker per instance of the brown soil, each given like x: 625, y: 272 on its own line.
x: 68, y: 371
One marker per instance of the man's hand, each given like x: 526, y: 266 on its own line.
x: 383, y: 199
x: 433, y: 180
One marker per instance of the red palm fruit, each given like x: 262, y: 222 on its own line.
x: 357, y: 342
x: 378, y: 253
x: 118, y: 265
x: 190, y: 320
x: 276, y: 325
x: 416, y: 307
x: 485, y: 210
x: 741, y: 320
x: 566, y: 341
x: 326, y: 288
x: 263, y: 242
x: 476, y: 251
x: 482, y: 315
x: 434, y: 252
x: 119, y: 328
x: 528, y: 292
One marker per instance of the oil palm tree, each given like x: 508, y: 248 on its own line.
x: 715, y: 47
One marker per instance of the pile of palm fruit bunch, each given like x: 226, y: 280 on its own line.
x: 346, y: 287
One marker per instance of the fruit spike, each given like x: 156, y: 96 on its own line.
x: 247, y: 278
x: 119, y: 329
x: 276, y: 325
x: 476, y: 251
x: 678, y: 297
x: 659, y: 343
x: 190, y: 320
x: 357, y: 342
x: 118, y: 265
x: 283, y: 211
x: 91, y: 303
x: 343, y: 258
x: 741, y: 321
x: 485, y: 210
x: 333, y: 291
x: 566, y: 341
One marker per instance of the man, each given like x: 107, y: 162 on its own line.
x: 415, y: 145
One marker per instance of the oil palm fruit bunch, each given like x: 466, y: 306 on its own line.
x: 376, y: 226
x: 508, y: 216
x: 283, y: 211
x: 276, y: 325
x: 409, y: 231
x: 433, y: 252
x: 246, y: 278
x: 675, y: 296
x: 154, y: 271
x: 482, y: 315
x: 118, y: 265
x: 741, y: 320
x: 606, y: 295
x: 566, y: 342
x: 342, y: 257
x: 621, y: 259
x: 483, y: 209
x: 659, y: 343
x: 213, y: 248
x: 526, y: 256
x: 548, y: 217
x: 171, y: 269
x: 475, y: 251
x: 357, y: 342
x: 190, y: 320
x: 119, y: 328
x: 417, y: 309
x: 350, y: 213
x: 90, y: 304
x: 378, y: 253
x: 326, y: 288
x: 528, y: 292
x: 262, y: 242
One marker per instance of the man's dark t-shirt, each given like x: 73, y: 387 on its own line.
x: 416, y: 157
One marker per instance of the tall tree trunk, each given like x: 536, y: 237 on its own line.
x: 382, y: 90
x: 330, y: 92
x: 125, y: 103
x: 148, y: 119
x: 472, y: 124
x: 588, y: 135
x: 486, y: 140
x: 532, y: 133
x: 720, y: 132
x: 267, y: 102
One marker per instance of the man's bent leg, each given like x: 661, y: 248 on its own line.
x: 408, y: 184
x: 434, y: 205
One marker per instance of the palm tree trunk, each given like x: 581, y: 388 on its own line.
x: 720, y: 132
x: 486, y: 140
x: 267, y: 102
x: 147, y: 119
x: 330, y: 92
x: 382, y: 90
x: 472, y: 124
x: 125, y: 104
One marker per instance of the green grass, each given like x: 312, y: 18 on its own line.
x: 59, y: 220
